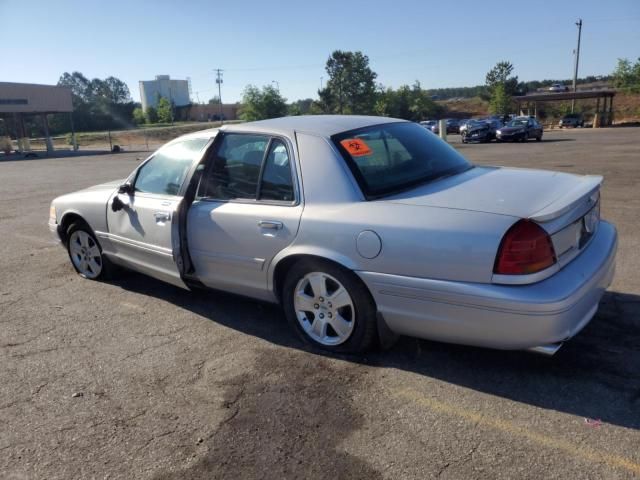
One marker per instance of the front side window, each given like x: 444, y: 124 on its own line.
x: 165, y: 172
x: 395, y: 156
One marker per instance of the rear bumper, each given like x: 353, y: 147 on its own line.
x: 500, y: 316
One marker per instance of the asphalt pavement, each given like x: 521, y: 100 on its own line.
x: 138, y: 379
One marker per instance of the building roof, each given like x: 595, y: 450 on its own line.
x: 34, y: 98
x: 553, y: 96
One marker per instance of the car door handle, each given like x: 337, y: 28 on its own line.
x: 270, y: 224
x: 162, y: 216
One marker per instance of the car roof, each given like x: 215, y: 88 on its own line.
x: 320, y: 125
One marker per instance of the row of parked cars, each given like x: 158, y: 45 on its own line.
x: 482, y: 130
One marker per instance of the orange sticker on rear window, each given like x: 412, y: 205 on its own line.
x: 356, y: 147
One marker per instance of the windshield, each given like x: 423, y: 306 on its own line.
x: 395, y: 156
x: 518, y: 122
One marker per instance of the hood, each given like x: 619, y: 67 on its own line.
x: 512, y: 129
x: 111, y: 185
x: 516, y: 192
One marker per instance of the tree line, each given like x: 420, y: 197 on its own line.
x: 351, y: 89
x: 105, y: 104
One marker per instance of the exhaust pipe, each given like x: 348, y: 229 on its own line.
x: 546, y: 350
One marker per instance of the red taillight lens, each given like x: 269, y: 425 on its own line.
x: 526, y: 248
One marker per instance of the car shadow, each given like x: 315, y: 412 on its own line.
x: 553, y: 140
x: 596, y: 375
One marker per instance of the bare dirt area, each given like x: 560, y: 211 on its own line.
x: 138, y: 379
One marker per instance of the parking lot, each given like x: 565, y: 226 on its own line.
x: 138, y: 379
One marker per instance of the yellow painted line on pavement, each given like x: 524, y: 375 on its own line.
x: 505, y: 426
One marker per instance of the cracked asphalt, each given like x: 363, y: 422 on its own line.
x: 138, y: 379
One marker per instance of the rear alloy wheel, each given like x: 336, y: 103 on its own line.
x: 329, y: 307
x: 85, y: 253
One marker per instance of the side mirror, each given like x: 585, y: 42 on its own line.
x: 117, y: 204
x: 126, y: 188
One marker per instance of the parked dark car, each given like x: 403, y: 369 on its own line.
x: 477, y: 132
x: 495, y: 124
x: 572, y: 120
x: 453, y: 125
x: 520, y: 129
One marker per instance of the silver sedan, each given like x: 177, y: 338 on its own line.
x: 362, y: 228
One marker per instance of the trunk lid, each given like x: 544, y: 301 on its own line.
x: 540, y: 195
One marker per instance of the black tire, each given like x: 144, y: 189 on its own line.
x: 107, y: 268
x: 364, y: 330
x: 538, y: 138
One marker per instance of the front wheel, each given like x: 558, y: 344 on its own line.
x: 85, y: 252
x: 329, y: 307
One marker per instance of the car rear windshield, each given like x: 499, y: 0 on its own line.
x: 392, y: 157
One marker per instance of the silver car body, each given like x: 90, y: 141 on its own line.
x: 426, y: 255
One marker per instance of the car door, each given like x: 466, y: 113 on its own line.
x: 531, y: 130
x: 536, y: 128
x: 247, y: 209
x: 142, y: 228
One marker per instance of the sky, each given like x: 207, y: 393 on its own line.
x: 286, y: 43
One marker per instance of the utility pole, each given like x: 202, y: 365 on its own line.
x: 219, y: 82
x: 320, y: 83
x: 575, y: 69
x: 277, y: 85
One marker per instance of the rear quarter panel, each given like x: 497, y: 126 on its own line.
x: 420, y: 241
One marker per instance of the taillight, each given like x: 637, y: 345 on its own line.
x: 526, y: 248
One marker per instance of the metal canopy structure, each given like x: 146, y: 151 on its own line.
x: 528, y: 104
x: 20, y: 99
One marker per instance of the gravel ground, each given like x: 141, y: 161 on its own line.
x: 138, y: 379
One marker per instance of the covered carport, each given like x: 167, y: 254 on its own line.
x: 528, y: 104
x: 19, y: 100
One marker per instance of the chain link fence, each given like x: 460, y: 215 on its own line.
x: 146, y: 139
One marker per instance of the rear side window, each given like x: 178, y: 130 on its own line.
x: 165, y: 172
x: 392, y: 157
x: 249, y: 167
x: 235, y: 168
x: 277, y: 183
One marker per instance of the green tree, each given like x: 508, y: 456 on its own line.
x: 165, y: 110
x: 301, y: 107
x: 215, y: 100
x: 258, y: 104
x: 351, y: 86
x: 626, y: 76
x: 500, y: 74
x: 501, y: 86
x: 500, y: 103
x: 151, y: 115
x: 138, y: 116
x: 98, y: 104
x: 408, y: 102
